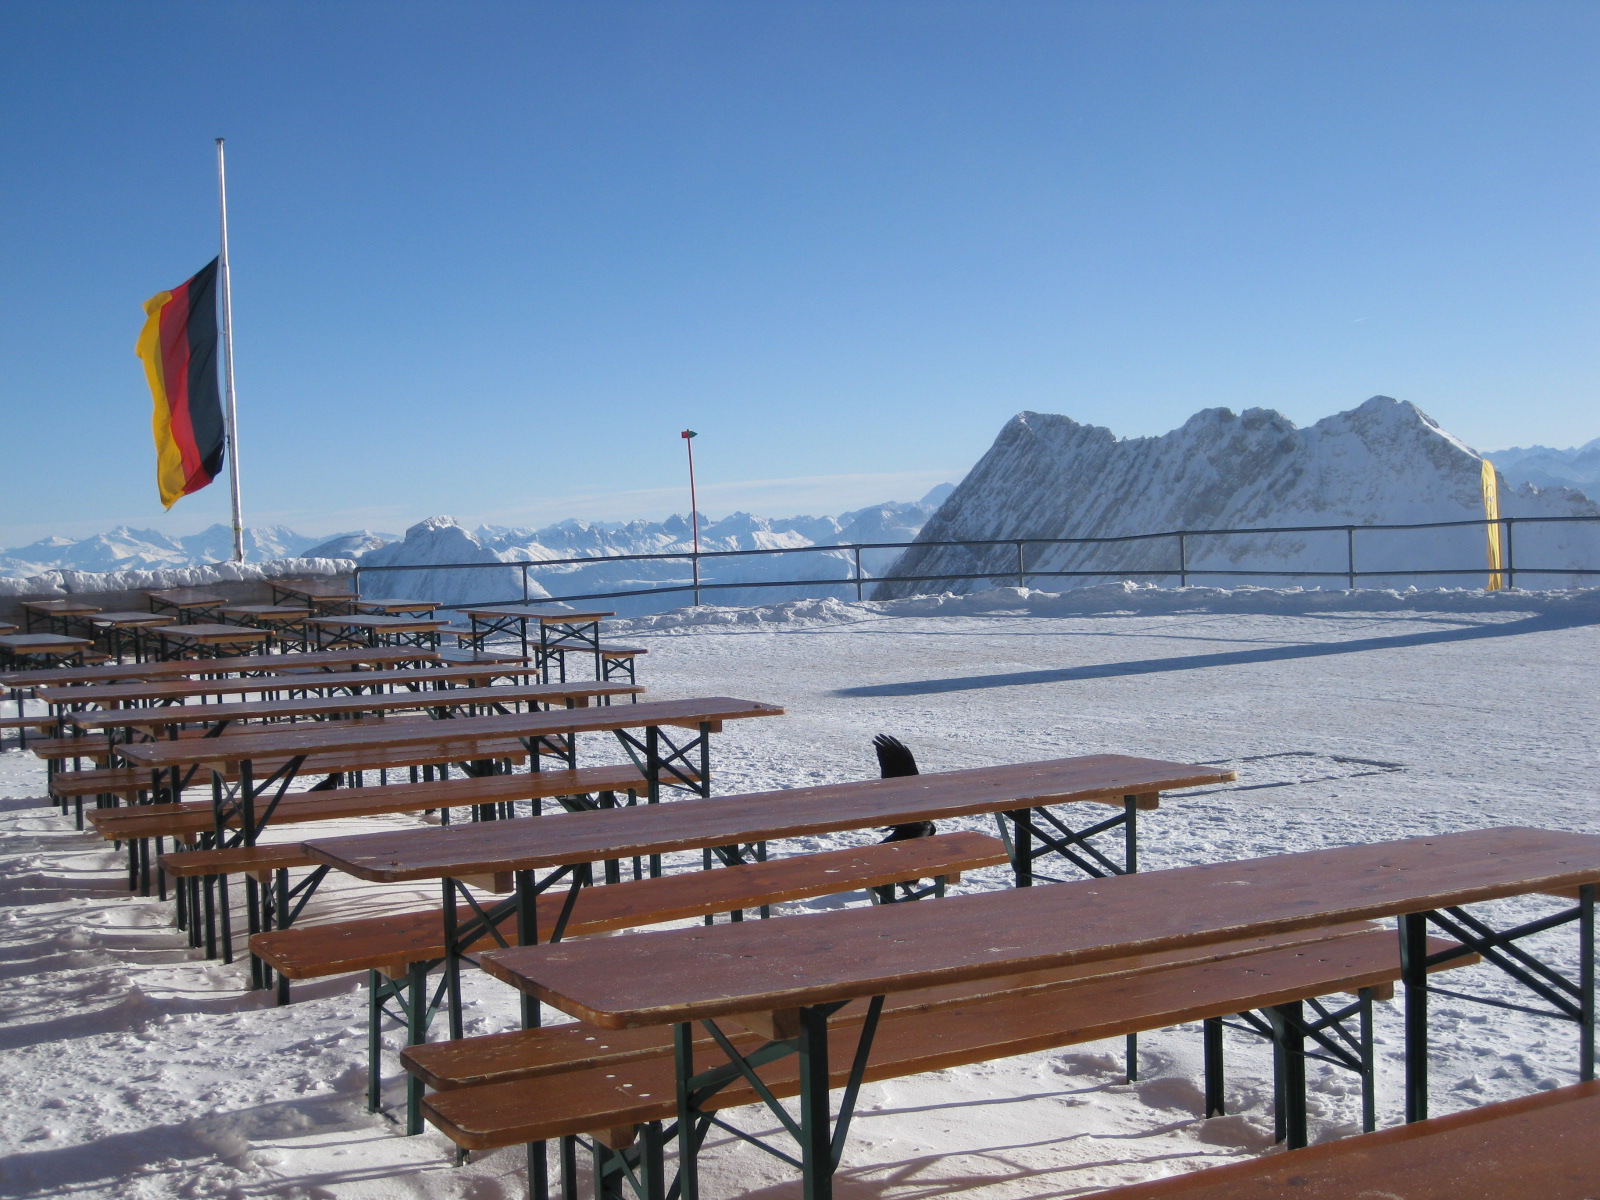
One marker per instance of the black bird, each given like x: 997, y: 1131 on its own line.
x: 894, y: 760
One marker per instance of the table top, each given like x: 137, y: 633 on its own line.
x: 59, y: 607
x: 681, y: 975
x: 117, y: 619
x: 154, y: 691
x: 186, y: 597
x: 378, y: 621
x: 545, y: 616
x: 287, y: 612
x: 396, y: 604
x: 42, y: 641
x: 162, y: 715
x: 322, y: 737
x: 315, y: 589
x: 475, y: 849
x: 200, y: 632
x: 184, y: 668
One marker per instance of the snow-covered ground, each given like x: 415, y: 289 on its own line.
x: 130, y: 1068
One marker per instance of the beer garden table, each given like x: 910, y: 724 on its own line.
x: 803, y: 969
x: 563, y: 627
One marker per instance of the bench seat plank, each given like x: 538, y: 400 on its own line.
x: 377, y: 943
x: 553, y: 1049
x: 621, y: 1095
x: 336, y: 803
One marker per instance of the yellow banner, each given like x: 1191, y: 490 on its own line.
x: 1491, y: 514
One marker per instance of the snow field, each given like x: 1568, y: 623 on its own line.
x: 130, y: 1067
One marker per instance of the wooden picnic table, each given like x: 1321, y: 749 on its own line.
x: 58, y: 615
x: 209, y: 640
x: 565, y: 627
x: 53, y: 648
x: 324, y: 595
x: 383, y: 629
x: 396, y: 604
x: 218, y: 716
x: 683, y: 763
x: 269, y: 616
x: 170, y: 691
x: 114, y: 625
x: 788, y: 975
x: 186, y: 602
x: 241, y: 665
x: 1118, y: 780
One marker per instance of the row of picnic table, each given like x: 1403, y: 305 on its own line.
x: 752, y: 1011
x: 304, y: 614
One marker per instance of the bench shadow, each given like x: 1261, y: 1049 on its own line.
x: 113, y: 1159
x: 1198, y: 662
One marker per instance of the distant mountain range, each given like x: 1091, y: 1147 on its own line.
x: 1543, y: 467
x: 441, y: 540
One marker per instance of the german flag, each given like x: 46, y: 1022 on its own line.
x: 179, y: 349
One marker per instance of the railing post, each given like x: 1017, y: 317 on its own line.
x: 1350, y: 555
x: 858, y: 572
x: 1022, y: 571
x: 694, y: 559
x: 525, y: 596
x: 1507, y: 523
x: 1183, y: 559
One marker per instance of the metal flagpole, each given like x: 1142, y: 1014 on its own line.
x: 227, y: 362
x: 694, y: 511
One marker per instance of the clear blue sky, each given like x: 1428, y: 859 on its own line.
x: 489, y: 258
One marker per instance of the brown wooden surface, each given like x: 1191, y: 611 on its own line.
x: 60, y: 608
x: 1539, y: 1147
x: 156, y: 820
x: 911, y: 1043
x: 179, y: 669
x: 395, y: 605
x: 544, y: 616
x: 372, y: 943
x: 205, y: 634
x: 380, y: 622
x: 161, y: 716
x: 315, y: 589
x: 553, y: 1049
x: 265, y: 612
x: 42, y: 643
x: 157, y: 691
x: 186, y: 597
x: 757, y: 816
x: 119, y: 620
x: 326, y: 736
x: 126, y: 781
x: 789, y: 962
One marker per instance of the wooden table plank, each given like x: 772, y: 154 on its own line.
x: 156, y: 691
x: 464, y: 732
x: 161, y: 716
x: 239, y: 664
x: 758, y: 816
x: 545, y: 616
x: 788, y: 962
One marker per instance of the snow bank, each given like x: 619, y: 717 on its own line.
x: 56, y: 583
x: 1118, y: 599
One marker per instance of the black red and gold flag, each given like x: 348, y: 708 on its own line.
x: 179, y: 349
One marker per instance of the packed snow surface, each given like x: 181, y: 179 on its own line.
x: 131, y: 1068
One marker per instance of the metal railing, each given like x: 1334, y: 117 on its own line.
x: 1021, y: 573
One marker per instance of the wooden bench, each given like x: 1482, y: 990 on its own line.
x: 398, y: 950
x: 1538, y: 1147
x: 23, y: 725
x: 617, y: 1086
x: 190, y: 822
